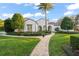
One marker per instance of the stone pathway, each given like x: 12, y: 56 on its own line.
x: 42, y: 47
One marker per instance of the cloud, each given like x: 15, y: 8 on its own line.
x: 39, y: 14
x: 47, y: 11
x: 54, y: 20
x: 36, y: 4
x: 35, y: 7
x: 6, y: 15
x: 27, y: 4
x: 18, y: 3
x: 68, y: 13
x: 73, y: 6
x: 9, y: 15
x: 3, y: 7
x: 33, y: 15
x: 27, y: 15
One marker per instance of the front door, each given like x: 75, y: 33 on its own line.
x: 29, y: 27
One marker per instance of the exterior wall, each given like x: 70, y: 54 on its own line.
x: 52, y: 27
x: 34, y: 25
x: 41, y: 22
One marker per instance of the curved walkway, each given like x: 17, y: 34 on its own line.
x: 42, y: 47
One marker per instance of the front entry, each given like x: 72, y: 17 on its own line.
x: 29, y: 27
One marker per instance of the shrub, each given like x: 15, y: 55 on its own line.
x: 1, y: 28
x: 74, y: 41
x: 29, y: 33
x: 7, y: 25
x: 32, y: 34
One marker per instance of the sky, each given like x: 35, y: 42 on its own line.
x: 30, y: 10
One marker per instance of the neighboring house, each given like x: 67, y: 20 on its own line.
x: 75, y: 20
x: 34, y: 26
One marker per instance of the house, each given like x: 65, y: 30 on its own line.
x: 31, y: 25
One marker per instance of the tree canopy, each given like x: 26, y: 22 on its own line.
x: 1, y: 23
x: 7, y: 25
x: 17, y: 21
x: 67, y: 23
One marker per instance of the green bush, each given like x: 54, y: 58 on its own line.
x: 32, y: 33
x: 7, y: 25
x: 1, y: 28
x: 67, y: 32
x: 29, y: 33
x: 74, y: 41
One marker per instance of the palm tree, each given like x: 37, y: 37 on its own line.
x: 45, y: 7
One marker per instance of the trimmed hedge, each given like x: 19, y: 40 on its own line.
x: 1, y: 28
x: 68, y: 50
x: 68, y: 32
x: 29, y: 33
x: 74, y: 41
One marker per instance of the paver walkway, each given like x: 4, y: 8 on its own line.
x: 42, y: 47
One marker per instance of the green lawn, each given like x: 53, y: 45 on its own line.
x: 12, y: 46
x: 56, y: 43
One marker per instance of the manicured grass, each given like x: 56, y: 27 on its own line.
x: 15, y: 46
x: 56, y: 43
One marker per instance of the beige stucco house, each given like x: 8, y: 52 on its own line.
x: 34, y: 26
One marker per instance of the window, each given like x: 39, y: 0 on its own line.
x: 29, y: 27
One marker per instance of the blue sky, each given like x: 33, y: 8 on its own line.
x: 30, y: 10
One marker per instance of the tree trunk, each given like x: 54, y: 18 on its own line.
x: 45, y: 19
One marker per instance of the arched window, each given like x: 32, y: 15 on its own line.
x: 49, y: 28
x: 39, y: 28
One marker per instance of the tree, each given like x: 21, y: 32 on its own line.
x: 67, y: 24
x: 45, y: 7
x: 1, y: 25
x: 17, y: 22
x: 7, y: 25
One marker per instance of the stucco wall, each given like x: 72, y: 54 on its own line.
x: 34, y: 25
x: 41, y: 22
x: 53, y: 28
